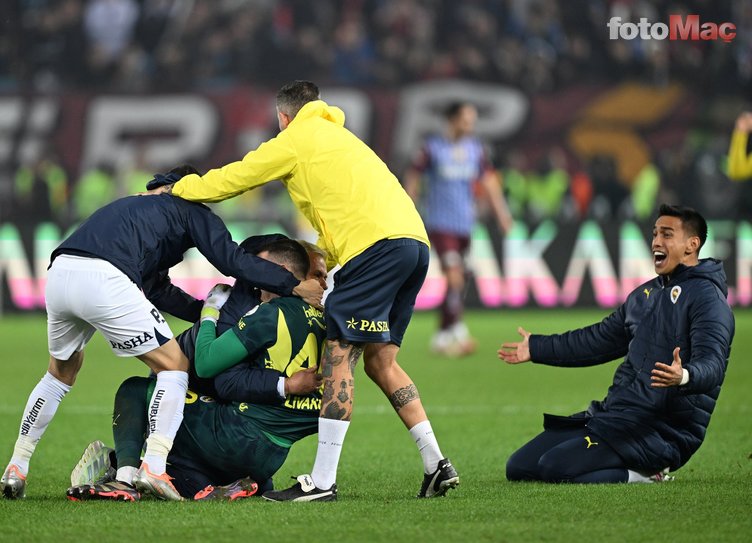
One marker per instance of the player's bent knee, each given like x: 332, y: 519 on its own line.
x: 380, y: 356
x: 521, y: 468
x: 133, y: 387
x: 553, y: 469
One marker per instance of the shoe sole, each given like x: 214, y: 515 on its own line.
x: 240, y: 495
x: 327, y: 497
x: 236, y: 495
x: 445, y: 486
x: 155, y: 491
x: 115, y: 496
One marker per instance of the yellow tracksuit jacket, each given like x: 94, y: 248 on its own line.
x: 339, y: 184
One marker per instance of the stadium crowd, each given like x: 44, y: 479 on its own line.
x: 539, y: 45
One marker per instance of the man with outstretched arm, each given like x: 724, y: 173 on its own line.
x: 675, y: 333
x: 368, y: 225
x: 224, y: 447
x: 96, y: 281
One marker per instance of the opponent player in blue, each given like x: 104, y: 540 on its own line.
x: 442, y: 181
x: 95, y: 283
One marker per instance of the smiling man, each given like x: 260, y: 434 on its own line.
x: 675, y: 334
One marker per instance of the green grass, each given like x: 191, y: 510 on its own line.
x: 481, y: 411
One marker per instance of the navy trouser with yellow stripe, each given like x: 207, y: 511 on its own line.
x: 214, y: 445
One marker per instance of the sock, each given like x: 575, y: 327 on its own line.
x: 165, y: 415
x: 427, y: 445
x: 125, y: 474
x: 460, y: 331
x: 331, y: 436
x: 129, y: 420
x: 155, y: 456
x: 635, y: 477
x: 39, y: 411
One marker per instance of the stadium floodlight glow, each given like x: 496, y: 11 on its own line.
x: 687, y: 29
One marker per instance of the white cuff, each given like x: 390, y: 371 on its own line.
x: 685, y: 377
x: 281, y: 387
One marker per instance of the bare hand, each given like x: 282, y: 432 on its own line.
x: 667, y: 376
x: 158, y: 190
x: 311, y: 292
x: 303, y: 382
x: 744, y: 122
x: 518, y: 352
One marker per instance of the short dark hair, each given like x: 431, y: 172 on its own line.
x: 289, y: 252
x: 453, y: 109
x: 693, y: 223
x: 295, y: 95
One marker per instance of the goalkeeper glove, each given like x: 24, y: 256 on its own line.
x: 215, y: 299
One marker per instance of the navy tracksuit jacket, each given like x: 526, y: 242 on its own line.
x: 653, y: 428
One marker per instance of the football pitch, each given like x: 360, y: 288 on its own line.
x: 481, y: 410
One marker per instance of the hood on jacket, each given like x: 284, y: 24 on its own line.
x: 708, y: 268
x: 319, y: 108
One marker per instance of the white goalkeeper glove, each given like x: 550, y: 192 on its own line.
x: 215, y: 299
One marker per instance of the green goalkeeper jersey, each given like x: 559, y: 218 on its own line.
x: 285, y: 335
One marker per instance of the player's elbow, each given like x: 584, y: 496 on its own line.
x: 203, y: 370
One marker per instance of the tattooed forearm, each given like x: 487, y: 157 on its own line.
x: 402, y: 396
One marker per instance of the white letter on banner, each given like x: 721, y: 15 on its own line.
x: 524, y: 266
x: 590, y: 254
x: 191, y: 122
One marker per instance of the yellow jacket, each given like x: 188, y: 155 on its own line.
x: 339, y: 184
x: 739, y: 162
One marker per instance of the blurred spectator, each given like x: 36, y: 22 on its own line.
x: 133, y: 175
x: 547, y: 186
x: 94, y: 189
x: 739, y: 153
x: 41, y: 191
x: 109, y: 26
x: 515, y: 184
x: 353, y: 54
x: 581, y: 194
x: 611, y: 197
x: 644, y: 194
